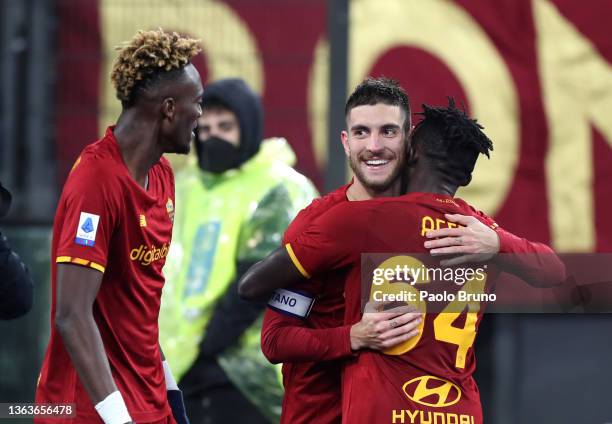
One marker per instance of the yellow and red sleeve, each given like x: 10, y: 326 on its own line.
x: 296, y: 261
x: 79, y: 261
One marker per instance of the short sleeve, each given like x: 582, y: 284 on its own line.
x: 332, y: 241
x: 86, y: 218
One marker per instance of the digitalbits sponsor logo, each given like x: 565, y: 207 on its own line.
x: 147, y: 255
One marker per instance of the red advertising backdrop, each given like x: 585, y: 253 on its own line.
x: 536, y: 73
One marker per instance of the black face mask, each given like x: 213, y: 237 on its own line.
x: 217, y: 155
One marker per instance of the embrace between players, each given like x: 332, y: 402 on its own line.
x: 118, y: 205
x: 342, y: 364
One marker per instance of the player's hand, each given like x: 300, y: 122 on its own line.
x: 475, y: 242
x: 381, y: 330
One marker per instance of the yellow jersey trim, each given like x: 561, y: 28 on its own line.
x: 97, y: 267
x: 295, y: 261
x: 79, y: 261
x: 63, y: 259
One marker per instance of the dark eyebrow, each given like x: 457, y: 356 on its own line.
x: 390, y: 127
x: 359, y: 127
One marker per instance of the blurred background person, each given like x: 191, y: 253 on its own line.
x: 233, y: 206
x: 16, y: 287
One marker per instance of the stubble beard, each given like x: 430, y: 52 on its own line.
x: 376, y: 186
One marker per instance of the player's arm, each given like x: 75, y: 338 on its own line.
x: 87, y: 216
x: 473, y: 241
x: 324, y: 246
x: 275, y: 271
x: 536, y: 263
x: 77, y: 288
x: 284, y: 339
x: 288, y: 339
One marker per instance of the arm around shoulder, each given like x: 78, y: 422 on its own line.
x: 536, y: 263
x: 275, y: 271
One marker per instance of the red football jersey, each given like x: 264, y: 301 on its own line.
x: 428, y: 378
x: 311, y: 371
x: 108, y: 222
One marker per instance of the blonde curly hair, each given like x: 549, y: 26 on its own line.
x: 147, y: 55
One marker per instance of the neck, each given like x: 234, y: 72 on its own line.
x: 137, y: 140
x: 358, y: 191
x: 429, y: 182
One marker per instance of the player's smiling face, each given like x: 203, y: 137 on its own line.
x: 375, y: 144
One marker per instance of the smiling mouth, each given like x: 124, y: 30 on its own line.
x: 377, y: 162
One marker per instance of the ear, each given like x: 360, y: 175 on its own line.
x: 169, y: 108
x: 344, y: 138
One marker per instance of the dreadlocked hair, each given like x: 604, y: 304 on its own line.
x: 151, y: 56
x: 451, y: 140
x: 379, y: 90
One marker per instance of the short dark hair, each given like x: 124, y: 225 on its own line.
x: 380, y: 90
x: 451, y: 140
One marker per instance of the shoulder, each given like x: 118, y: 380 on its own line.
x: 438, y: 203
x: 95, y: 168
x: 164, y: 170
x: 467, y: 209
x: 323, y: 204
x: 347, y: 215
x: 164, y: 165
x: 317, y: 208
